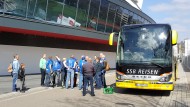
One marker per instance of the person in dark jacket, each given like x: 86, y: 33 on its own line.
x: 98, y: 68
x: 94, y: 62
x: 88, y: 73
x: 103, y: 62
x: 21, y: 76
x: 81, y: 63
x: 63, y: 72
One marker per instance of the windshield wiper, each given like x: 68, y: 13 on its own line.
x: 158, y: 65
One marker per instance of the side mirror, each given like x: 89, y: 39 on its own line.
x: 111, y: 38
x: 174, y: 37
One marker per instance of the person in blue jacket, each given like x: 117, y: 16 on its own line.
x: 49, y: 65
x: 71, y: 63
x: 81, y: 62
x: 57, y: 71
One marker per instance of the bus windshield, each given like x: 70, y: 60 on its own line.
x: 145, y: 44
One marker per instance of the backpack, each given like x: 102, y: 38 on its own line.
x: 107, y: 66
x: 10, y: 68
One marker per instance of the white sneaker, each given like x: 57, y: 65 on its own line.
x: 14, y: 92
x: 50, y: 88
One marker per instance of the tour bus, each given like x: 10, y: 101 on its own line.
x: 144, y: 57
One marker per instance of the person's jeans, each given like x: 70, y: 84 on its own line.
x: 103, y: 79
x: 98, y: 80
x: 75, y: 79
x: 48, y: 75
x: 80, y: 81
x: 43, y: 74
x: 70, y: 77
x: 63, y: 74
x: 14, y: 85
x: 56, y: 74
x: 86, y: 81
x: 54, y: 77
x: 22, y: 84
x: 59, y: 77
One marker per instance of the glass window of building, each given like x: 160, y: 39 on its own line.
x: 118, y: 19
x: 82, y: 17
x: 140, y: 19
x: 116, y: 25
x: 32, y: 4
x: 135, y: 19
x: 69, y: 13
x: 125, y: 17
x: 2, y: 6
x: 130, y: 20
x: 111, y: 17
x: 93, y: 14
x: 54, y: 11
x: 146, y: 22
x: 102, y: 15
x: 14, y: 7
x: 143, y: 20
x: 38, y: 9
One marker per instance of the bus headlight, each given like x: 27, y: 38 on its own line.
x: 165, y: 78
x: 120, y: 77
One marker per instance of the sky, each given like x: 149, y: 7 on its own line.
x: 174, y: 12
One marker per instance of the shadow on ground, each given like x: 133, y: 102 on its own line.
x: 140, y: 91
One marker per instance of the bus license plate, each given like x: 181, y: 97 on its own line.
x: 142, y: 85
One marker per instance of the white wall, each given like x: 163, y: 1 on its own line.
x: 31, y: 56
x: 186, y: 61
x: 187, y: 47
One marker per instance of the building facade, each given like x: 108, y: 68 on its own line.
x: 67, y: 26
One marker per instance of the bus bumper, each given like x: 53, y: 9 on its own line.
x: 145, y: 85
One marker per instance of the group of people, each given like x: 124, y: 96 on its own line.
x: 57, y: 72
x: 64, y: 73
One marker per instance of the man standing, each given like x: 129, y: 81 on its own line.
x: 63, y: 72
x: 71, y: 63
x: 103, y: 62
x: 94, y: 62
x: 43, y: 69
x: 88, y: 73
x: 98, y: 70
x: 48, y: 70
x: 81, y: 62
x: 57, y: 71
x: 16, y: 67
